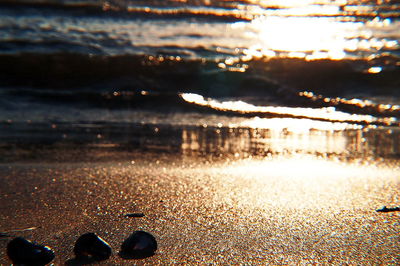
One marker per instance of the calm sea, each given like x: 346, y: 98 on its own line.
x: 238, y: 77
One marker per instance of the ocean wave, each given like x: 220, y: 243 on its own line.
x: 327, y: 90
x: 352, y: 111
x: 106, y: 8
x: 277, y: 78
x: 329, y: 114
x: 215, y: 10
x: 220, y: 29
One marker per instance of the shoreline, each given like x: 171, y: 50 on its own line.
x: 237, y: 211
x: 91, y: 142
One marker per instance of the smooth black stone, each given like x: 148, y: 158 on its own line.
x: 385, y: 209
x: 134, y: 215
x: 139, y: 245
x: 24, y: 252
x: 90, y: 247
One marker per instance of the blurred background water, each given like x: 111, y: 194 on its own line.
x: 231, y: 77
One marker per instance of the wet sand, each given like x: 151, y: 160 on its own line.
x: 278, y: 210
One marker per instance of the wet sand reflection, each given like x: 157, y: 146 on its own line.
x: 244, y: 142
x: 211, y: 141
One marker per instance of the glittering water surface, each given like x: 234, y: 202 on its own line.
x: 298, y: 76
x: 305, y: 29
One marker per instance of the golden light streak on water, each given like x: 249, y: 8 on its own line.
x: 374, y: 70
x: 328, y: 114
x: 355, y: 102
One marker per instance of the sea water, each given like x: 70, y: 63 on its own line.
x: 242, y: 78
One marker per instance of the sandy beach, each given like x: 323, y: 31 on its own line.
x: 234, y: 132
x: 276, y: 210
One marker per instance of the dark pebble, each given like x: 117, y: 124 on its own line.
x: 385, y: 209
x: 22, y: 251
x: 138, y: 245
x: 89, y: 246
x: 133, y: 215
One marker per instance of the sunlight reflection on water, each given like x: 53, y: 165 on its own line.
x: 324, y: 114
x: 314, y: 37
x: 315, y: 30
x: 348, y: 145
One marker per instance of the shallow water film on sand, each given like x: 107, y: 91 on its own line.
x: 234, y: 132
